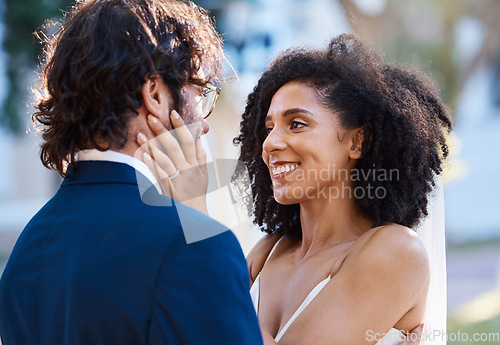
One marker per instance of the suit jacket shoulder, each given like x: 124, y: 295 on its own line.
x: 97, y: 265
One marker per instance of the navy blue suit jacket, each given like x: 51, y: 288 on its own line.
x: 96, y: 265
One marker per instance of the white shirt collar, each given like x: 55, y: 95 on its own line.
x: 113, y: 156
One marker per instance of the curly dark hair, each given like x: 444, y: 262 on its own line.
x: 96, y: 63
x: 404, y: 121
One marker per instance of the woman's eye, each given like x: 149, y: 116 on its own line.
x: 268, y: 130
x: 297, y: 124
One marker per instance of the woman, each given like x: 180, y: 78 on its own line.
x: 342, y: 151
x: 350, y: 149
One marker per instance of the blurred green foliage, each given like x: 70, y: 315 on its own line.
x: 22, y: 19
x: 489, y: 329
x: 424, y: 34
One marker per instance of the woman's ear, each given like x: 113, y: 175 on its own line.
x: 156, y: 97
x: 357, y: 138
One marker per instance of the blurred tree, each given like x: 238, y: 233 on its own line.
x: 423, y: 34
x: 22, y: 19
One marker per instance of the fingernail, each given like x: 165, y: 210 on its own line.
x: 175, y: 115
x: 141, y: 138
x: 146, y: 157
x: 152, y: 119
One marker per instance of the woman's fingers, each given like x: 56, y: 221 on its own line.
x: 141, y: 140
x: 160, y: 175
x: 146, y: 146
x: 159, y: 158
x: 414, y: 337
x: 163, y: 161
x: 201, y: 156
x: 183, y: 150
x: 185, y: 137
x: 169, y: 143
x: 179, y: 165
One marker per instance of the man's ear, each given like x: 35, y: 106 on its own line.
x: 156, y: 97
x: 357, y: 138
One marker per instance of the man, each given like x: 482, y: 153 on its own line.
x: 97, y: 265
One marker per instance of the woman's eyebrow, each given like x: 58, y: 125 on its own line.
x: 292, y: 111
x: 297, y: 110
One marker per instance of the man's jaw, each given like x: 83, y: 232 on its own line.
x: 198, y: 128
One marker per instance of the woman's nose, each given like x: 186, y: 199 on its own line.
x: 274, y: 141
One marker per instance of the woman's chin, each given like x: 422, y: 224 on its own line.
x: 285, y: 200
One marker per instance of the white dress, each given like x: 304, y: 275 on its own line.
x: 392, y: 337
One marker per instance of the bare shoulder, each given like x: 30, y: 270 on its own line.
x: 393, y: 251
x: 259, y: 253
x: 393, y: 242
x: 392, y: 258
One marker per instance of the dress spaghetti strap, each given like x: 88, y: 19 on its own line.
x: 255, y: 288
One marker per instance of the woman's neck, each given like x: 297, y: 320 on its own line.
x: 330, y: 222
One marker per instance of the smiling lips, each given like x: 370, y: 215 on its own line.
x: 281, y: 170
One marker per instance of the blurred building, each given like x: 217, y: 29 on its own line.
x: 472, y: 200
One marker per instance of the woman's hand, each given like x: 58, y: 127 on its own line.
x: 414, y: 337
x: 179, y: 166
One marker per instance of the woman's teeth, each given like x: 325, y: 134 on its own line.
x: 284, y: 168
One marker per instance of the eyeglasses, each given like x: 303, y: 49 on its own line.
x: 210, y: 97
